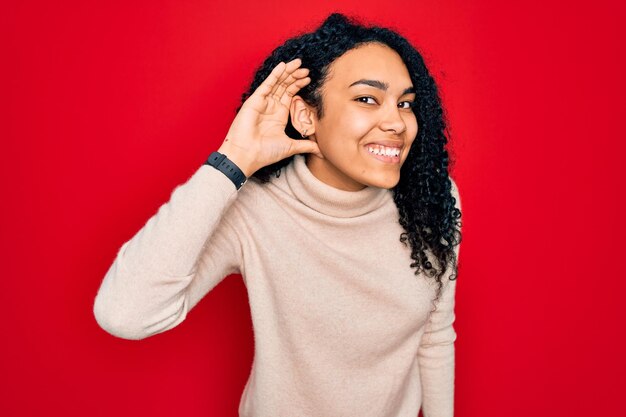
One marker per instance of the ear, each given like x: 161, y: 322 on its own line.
x: 303, y: 116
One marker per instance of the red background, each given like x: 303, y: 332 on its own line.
x: 107, y: 106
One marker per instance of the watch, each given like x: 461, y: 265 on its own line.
x: 220, y: 162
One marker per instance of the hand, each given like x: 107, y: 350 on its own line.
x: 256, y: 137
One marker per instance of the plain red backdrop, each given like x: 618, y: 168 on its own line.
x: 107, y: 106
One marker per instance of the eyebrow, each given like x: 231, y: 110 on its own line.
x: 381, y: 85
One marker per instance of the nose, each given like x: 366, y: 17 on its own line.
x: 392, y: 120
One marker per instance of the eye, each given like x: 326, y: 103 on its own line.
x: 364, y: 100
x: 407, y: 104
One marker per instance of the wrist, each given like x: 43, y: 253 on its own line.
x: 222, y: 163
x: 239, y: 157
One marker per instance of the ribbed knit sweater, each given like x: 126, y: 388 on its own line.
x: 342, y: 325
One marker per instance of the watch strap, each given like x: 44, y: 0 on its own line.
x: 221, y: 162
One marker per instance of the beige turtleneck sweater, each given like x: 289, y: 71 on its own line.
x: 341, y: 323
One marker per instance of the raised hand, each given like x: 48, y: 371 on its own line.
x: 256, y: 137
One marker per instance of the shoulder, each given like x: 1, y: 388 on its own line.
x: 455, y: 193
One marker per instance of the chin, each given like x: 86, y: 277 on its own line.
x: 386, y: 182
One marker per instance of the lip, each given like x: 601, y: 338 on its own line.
x: 387, y: 143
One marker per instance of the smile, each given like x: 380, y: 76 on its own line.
x: 384, y: 153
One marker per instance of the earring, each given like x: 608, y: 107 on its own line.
x: 304, y: 136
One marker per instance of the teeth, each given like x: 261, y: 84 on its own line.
x: 383, y: 150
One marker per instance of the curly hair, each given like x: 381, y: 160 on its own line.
x: 423, y: 194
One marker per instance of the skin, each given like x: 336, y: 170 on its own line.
x: 355, y: 117
x: 256, y: 136
x: 360, y: 115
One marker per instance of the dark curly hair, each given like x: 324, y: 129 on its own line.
x: 424, y: 193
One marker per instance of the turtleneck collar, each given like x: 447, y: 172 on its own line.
x: 327, y: 199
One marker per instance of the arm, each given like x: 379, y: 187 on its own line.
x: 187, y: 247
x: 150, y: 286
x: 436, y: 351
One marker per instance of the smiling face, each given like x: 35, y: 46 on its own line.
x: 368, y: 124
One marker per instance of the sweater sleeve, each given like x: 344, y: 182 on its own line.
x: 436, y: 352
x: 182, y: 252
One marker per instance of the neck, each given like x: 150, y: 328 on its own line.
x: 328, y: 199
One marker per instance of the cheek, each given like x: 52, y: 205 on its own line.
x: 344, y: 130
x: 355, y: 125
x: 412, y: 126
x: 412, y: 129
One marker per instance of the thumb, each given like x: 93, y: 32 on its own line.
x: 305, y: 146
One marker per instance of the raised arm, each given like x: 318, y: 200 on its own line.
x: 144, y: 291
x: 188, y: 246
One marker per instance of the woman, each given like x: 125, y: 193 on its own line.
x: 346, y: 235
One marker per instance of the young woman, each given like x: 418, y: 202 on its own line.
x: 346, y: 233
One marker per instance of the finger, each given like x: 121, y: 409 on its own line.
x: 290, y: 68
x: 289, y: 81
x: 293, y: 89
x: 304, y: 146
x: 281, y: 79
x: 267, y: 85
x: 294, y: 64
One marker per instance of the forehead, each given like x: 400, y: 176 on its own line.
x: 372, y: 61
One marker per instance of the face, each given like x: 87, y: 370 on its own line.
x: 368, y: 124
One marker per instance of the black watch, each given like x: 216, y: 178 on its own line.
x: 220, y: 162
